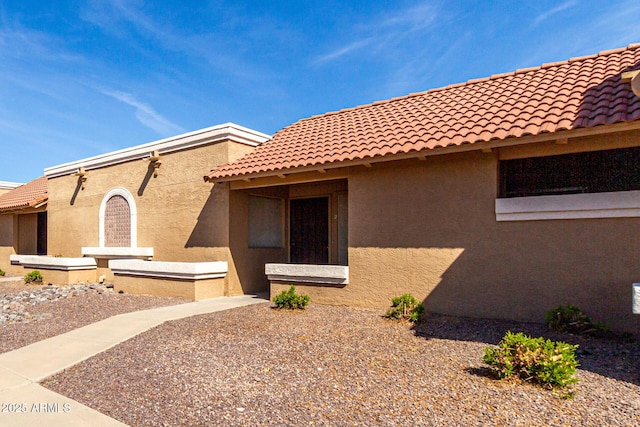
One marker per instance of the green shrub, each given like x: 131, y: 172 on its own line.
x: 550, y: 363
x: 2, y: 273
x: 289, y: 299
x: 405, y: 307
x: 33, y: 277
x: 571, y: 319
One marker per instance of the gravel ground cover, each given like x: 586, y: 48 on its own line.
x: 341, y: 366
x: 30, y: 313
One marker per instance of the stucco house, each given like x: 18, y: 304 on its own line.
x: 148, y: 202
x: 500, y: 197
x: 23, y: 221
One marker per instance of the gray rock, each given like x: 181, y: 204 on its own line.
x: 14, y: 306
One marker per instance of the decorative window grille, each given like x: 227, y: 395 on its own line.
x: 117, y: 222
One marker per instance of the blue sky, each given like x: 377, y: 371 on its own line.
x: 82, y: 78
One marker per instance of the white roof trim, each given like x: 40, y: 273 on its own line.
x: 6, y: 185
x: 226, y: 131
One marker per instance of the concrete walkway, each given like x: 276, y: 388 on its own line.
x: 25, y: 403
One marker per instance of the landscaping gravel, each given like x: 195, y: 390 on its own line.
x: 30, y: 313
x: 341, y: 366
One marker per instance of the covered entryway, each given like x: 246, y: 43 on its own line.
x: 309, y: 230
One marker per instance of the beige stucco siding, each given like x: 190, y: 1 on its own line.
x: 6, y: 241
x: 178, y: 214
x: 249, y: 262
x: 27, y: 234
x: 168, y: 206
x: 429, y: 228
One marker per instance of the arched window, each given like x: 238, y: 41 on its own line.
x: 117, y: 223
x: 118, y: 219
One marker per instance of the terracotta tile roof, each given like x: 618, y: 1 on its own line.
x: 29, y: 195
x: 579, y: 93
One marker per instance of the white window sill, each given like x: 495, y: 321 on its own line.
x: 117, y: 253
x: 308, y: 273
x: 619, y: 204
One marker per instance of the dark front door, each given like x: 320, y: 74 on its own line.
x: 42, y: 233
x: 309, y: 230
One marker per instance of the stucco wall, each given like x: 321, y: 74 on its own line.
x: 249, y: 262
x: 27, y: 234
x: 6, y: 242
x: 429, y: 228
x: 178, y: 214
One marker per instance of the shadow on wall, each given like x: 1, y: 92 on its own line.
x: 76, y: 191
x: 505, y: 270
x: 212, y: 228
x: 151, y: 170
x: 519, y: 270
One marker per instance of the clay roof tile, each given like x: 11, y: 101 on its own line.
x: 581, y: 92
x: 29, y: 195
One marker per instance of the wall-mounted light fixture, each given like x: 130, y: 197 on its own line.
x: 154, y: 158
x: 82, y: 176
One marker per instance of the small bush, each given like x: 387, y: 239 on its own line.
x: 289, y: 299
x: 550, y: 363
x: 33, y: 277
x: 571, y: 319
x: 405, y: 307
x: 2, y: 273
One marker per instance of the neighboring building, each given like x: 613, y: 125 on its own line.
x: 5, y: 186
x: 501, y: 197
x: 148, y: 202
x: 23, y: 221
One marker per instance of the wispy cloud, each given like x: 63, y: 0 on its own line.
x: 128, y: 20
x: 119, y: 17
x: 618, y: 26
x: 146, y: 114
x: 610, y: 27
x: 419, y: 73
x: 383, y: 32
x: 549, y: 13
x: 358, y: 44
x: 21, y: 43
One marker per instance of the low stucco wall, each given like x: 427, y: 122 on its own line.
x: 189, y: 289
x: 5, y: 263
x: 61, y: 278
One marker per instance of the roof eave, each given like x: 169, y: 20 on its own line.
x: 440, y: 150
x: 211, y: 135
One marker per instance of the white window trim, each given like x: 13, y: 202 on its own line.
x: 619, y: 204
x: 120, y: 191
